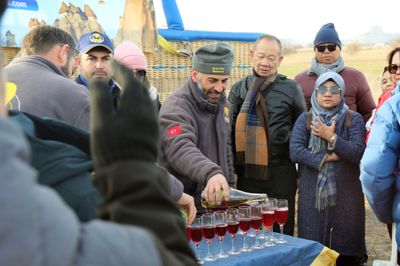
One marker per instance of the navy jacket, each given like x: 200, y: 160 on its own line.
x: 61, y: 155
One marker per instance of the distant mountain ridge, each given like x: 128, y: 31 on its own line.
x: 375, y: 35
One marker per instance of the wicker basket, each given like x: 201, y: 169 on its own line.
x: 167, y: 72
x: 8, y: 54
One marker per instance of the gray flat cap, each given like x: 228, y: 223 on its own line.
x: 216, y: 58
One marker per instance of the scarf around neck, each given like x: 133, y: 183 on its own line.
x: 318, y: 68
x: 325, y: 194
x: 251, y: 131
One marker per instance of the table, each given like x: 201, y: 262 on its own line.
x: 297, y: 251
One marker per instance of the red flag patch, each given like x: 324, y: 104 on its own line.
x: 174, y: 131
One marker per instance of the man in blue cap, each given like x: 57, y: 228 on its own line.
x: 95, y: 56
x: 96, y: 52
x: 327, y: 48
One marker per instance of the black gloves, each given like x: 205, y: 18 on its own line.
x: 128, y: 132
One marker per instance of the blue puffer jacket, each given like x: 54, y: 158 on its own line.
x: 380, y: 174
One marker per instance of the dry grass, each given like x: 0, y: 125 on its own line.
x: 369, y: 60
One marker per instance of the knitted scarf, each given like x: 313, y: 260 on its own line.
x: 318, y: 68
x: 251, y: 137
x: 325, y: 194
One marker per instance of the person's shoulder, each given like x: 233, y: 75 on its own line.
x: 284, y: 80
x: 239, y: 83
x: 69, y: 89
x: 356, y: 116
x: 175, y: 101
x: 394, y: 100
x: 351, y: 72
x: 302, y: 75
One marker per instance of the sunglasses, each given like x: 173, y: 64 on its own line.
x: 333, y: 90
x: 322, y: 47
x: 393, y: 68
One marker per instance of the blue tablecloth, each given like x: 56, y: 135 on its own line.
x: 296, y: 252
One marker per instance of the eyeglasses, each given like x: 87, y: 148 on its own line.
x: 393, y: 68
x: 322, y: 47
x: 333, y: 90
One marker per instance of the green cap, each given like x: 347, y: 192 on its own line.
x: 215, y: 58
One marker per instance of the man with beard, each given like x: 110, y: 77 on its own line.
x: 42, y: 78
x: 94, y: 61
x: 195, y: 130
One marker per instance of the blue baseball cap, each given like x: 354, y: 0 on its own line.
x: 94, y: 39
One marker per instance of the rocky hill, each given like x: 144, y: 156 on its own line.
x: 77, y: 22
x: 375, y: 35
x: 73, y: 20
x: 137, y: 24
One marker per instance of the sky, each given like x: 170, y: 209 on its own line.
x: 16, y: 20
x: 293, y: 20
x: 286, y: 19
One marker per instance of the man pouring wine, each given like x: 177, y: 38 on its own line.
x: 195, y: 129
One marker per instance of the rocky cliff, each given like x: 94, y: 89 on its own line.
x: 138, y: 24
x: 77, y: 21
x: 73, y: 20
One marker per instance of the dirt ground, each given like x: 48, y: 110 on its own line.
x: 376, y: 237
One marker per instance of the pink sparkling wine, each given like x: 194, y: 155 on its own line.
x: 220, y: 229
x: 244, y: 224
x: 196, y: 234
x: 281, y: 215
x: 256, y: 223
x: 208, y: 232
x: 268, y: 218
x: 233, y: 228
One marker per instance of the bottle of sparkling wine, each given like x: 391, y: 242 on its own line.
x: 236, y: 197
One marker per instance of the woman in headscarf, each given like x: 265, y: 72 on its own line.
x: 328, y: 143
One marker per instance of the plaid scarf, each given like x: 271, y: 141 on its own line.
x: 325, y: 194
x: 251, y: 129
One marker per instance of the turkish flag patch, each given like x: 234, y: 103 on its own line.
x: 174, y: 131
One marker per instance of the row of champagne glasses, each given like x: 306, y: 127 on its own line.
x: 245, y: 217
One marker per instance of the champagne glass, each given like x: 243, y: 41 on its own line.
x: 274, y: 203
x: 208, y: 233
x: 256, y: 222
x: 244, y: 224
x: 220, y: 229
x: 196, y: 233
x: 233, y: 227
x: 251, y: 232
x: 281, y: 215
x: 268, y: 218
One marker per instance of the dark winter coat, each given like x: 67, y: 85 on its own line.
x: 284, y: 100
x: 346, y: 220
x: 194, y: 139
